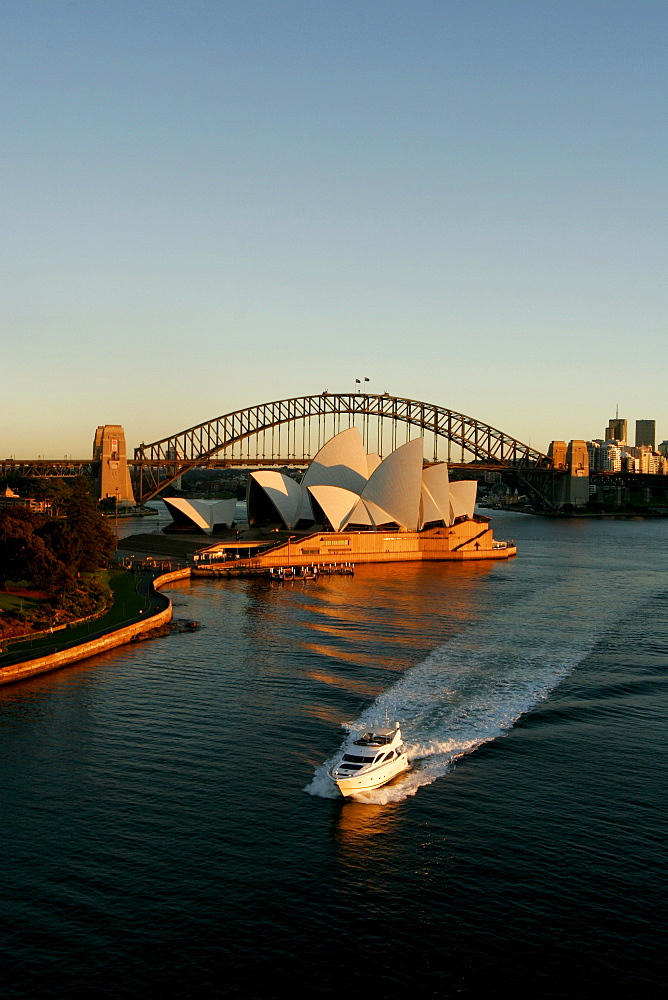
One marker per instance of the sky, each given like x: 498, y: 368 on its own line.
x: 208, y: 204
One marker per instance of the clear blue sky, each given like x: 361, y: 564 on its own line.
x: 211, y: 203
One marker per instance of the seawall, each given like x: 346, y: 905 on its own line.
x: 99, y: 643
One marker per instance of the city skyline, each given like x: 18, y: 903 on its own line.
x: 212, y: 205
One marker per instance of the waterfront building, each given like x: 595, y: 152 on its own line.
x: 594, y: 450
x: 605, y: 456
x: 608, y: 455
x: 200, y: 515
x: 344, y: 487
x: 355, y: 508
x: 611, y: 457
x: 650, y: 461
x: 630, y: 463
x: 9, y: 499
x: 644, y: 460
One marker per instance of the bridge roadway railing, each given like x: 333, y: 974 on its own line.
x: 48, y: 468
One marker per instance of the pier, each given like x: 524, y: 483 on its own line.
x: 280, y: 573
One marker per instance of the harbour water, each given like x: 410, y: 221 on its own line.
x: 168, y: 826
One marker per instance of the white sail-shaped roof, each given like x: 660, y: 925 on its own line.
x: 341, y: 462
x: 203, y: 514
x: 284, y: 493
x: 368, y: 513
x: 462, y: 497
x: 377, y: 516
x: 435, y: 500
x: 353, y: 488
x: 429, y: 510
x: 396, y: 484
x: 336, y: 503
x: 360, y: 515
x: 185, y: 507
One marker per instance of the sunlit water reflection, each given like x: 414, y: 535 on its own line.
x: 157, y: 836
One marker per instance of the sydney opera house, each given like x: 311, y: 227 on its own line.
x: 202, y: 515
x: 354, y: 506
x: 344, y: 488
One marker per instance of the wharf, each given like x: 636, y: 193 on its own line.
x: 281, y: 573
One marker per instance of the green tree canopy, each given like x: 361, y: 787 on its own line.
x: 50, y: 552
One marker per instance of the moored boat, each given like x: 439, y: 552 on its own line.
x: 370, y: 761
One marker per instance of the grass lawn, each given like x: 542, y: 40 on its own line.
x: 17, y: 602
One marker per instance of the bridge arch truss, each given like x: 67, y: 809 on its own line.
x: 291, y: 431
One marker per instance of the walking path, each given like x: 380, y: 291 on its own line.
x: 138, y: 607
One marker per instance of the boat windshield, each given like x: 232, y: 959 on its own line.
x: 374, y: 739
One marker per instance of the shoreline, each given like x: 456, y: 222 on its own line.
x: 619, y: 515
x: 15, y: 669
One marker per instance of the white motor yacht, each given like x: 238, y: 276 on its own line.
x: 370, y: 761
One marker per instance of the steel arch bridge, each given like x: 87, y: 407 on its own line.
x: 291, y: 431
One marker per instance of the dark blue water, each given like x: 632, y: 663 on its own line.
x: 167, y: 826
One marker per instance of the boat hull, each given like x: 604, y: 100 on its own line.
x: 375, y: 778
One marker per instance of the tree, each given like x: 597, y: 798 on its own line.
x: 21, y: 549
x: 95, y: 541
x: 51, y: 552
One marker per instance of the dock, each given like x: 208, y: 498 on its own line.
x: 278, y: 573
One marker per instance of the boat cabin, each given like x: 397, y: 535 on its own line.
x: 376, y: 738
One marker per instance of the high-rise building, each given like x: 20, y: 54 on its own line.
x: 610, y: 457
x: 594, y: 449
x: 645, y: 433
x: 616, y: 430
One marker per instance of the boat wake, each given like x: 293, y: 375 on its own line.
x: 449, y: 705
x: 473, y: 689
